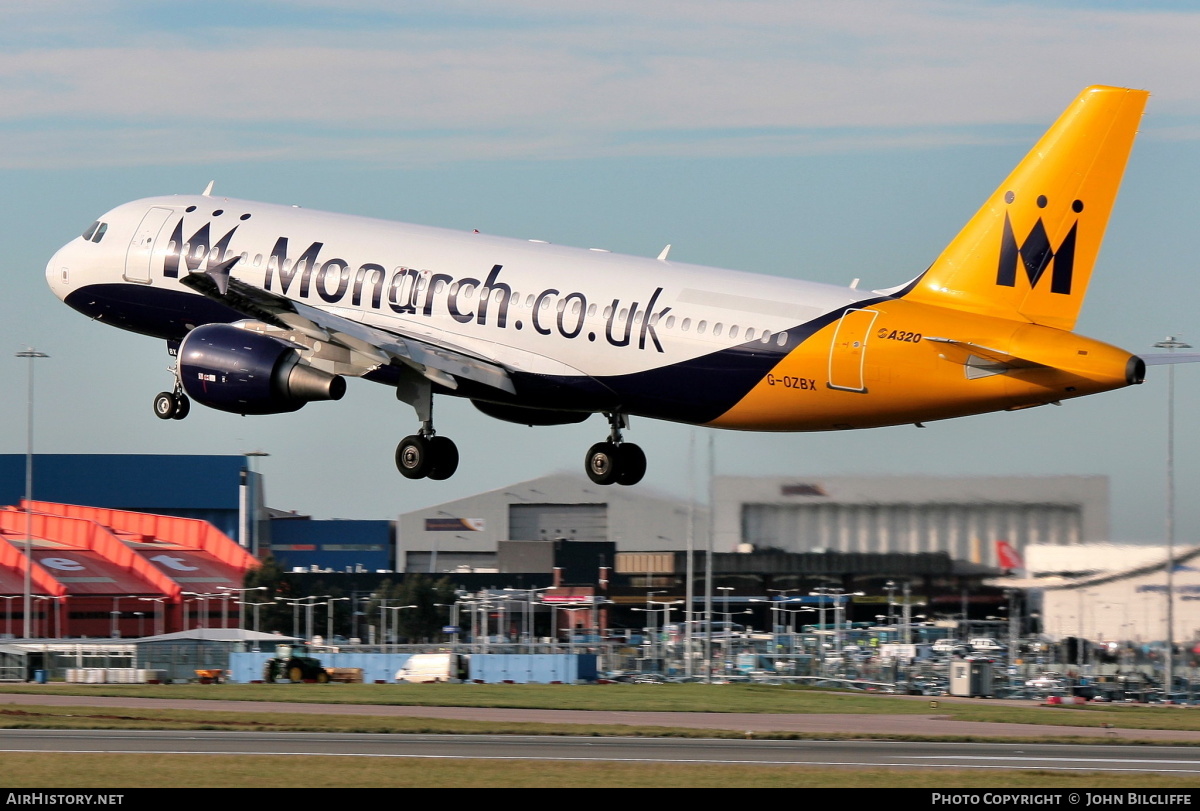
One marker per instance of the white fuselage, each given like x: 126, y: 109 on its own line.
x: 552, y: 310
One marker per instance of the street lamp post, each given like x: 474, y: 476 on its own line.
x: 1014, y: 623
x: 308, y: 613
x: 52, y: 614
x: 241, y: 613
x: 649, y: 629
x: 528, y: 626
x: 772, y: 611
x: 329, y: 618
x: 8, y: 612
x: 1170, y: 344
x: 201, y: 600
x: 256, y: 607
x: 656, y: 651
x: 295, y: 601
x: 32, y: 354
x: 395, y: 618
x: 115, y: 631
x: 839, y: 614
x: 907, y: 612
x: 666, y: 624
x: 159, y: 613
x: 823, y: 592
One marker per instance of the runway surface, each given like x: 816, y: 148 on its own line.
x: 930, y: 724
x: 909, y: 755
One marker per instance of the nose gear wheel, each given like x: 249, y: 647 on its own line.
x: 171, y: 405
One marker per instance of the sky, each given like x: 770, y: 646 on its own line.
x: 814, y: 140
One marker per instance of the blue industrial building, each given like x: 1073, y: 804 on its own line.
x: 340, y: 545
x: 210, y: 488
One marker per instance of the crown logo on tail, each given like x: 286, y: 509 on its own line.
x: 1036, y: 253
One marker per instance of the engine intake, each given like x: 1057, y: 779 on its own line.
x: 244, y: 372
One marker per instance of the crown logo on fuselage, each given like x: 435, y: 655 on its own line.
x: 1036, y: 253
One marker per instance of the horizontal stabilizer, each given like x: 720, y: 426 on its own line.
x: 1174, y: 357
x: 980, y: 360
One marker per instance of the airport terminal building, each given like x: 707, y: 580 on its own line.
x: 766, y: 534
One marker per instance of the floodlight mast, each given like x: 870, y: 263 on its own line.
x: 1170, y: 344
x: 32, y: 354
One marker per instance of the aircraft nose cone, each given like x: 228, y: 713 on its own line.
x: 58, y: 272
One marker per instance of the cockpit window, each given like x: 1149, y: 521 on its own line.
x: 95, y: 231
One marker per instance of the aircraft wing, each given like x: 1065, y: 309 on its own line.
x: 363, y: 348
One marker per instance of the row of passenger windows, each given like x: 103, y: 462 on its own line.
x: 468, y: 292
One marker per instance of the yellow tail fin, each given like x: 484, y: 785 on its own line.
x: 1028, y: 253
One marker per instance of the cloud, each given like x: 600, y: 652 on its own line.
x: 531, y: 79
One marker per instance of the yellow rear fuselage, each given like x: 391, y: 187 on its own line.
x: 901, y: 362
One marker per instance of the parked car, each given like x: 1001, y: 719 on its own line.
x: 947, y: 645
x: 986, y: 644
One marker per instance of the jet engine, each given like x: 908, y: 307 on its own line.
x: 244, y: 372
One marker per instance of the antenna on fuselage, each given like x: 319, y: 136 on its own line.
x: 662, y: 257
x: 208, y: 189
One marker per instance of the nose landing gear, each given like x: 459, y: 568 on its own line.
x: 615, y: 461
x: 172, y: 405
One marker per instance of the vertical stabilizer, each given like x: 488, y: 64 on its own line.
x: 1028, y: 253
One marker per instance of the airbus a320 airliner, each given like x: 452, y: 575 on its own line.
x: 269, y: 307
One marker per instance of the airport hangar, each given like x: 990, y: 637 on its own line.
x: 772, y: 537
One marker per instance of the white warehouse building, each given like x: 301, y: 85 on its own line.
x: 1107, y: 592
x: 962, y: 516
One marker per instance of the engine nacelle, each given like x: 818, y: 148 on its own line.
x: 244, y: 372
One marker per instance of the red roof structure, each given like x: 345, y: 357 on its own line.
x: 103, y: 572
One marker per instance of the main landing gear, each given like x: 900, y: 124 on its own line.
x: 172, y: 405
x: 423, y: 455
x: 615, y: 461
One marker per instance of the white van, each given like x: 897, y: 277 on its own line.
x: 430, y: 668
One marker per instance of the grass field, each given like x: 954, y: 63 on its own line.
x: 117, y: 772
x: 20, y: 770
